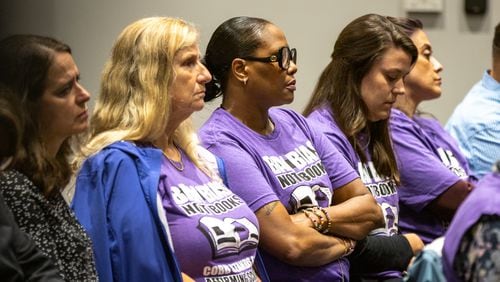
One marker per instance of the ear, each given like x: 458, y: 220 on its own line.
x: 239, y: 69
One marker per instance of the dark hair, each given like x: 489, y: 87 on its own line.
x: 407, y: 25
x: 496, y: 42
x: 24, y: 64
x: 357, y: 48
x: 10, y: 124
x: 237, y: 37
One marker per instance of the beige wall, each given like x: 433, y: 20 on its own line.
x: 461, y: 43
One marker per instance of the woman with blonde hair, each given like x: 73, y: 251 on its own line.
x: 144, y: 186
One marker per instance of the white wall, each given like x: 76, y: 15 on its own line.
x: 462, y: 43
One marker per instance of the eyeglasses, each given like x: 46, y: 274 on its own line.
x: 283, y: 57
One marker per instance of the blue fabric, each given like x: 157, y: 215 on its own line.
x: 475, y: 124
x: 427, y: 267
x: 115, y: 201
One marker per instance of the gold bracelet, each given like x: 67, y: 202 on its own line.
x: 308, y: 215
x: 322, y: 220
x: 349, y: 249
x: 346, y: 249
x: 328, y: 220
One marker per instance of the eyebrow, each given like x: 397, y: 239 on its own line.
x: 68, y: 82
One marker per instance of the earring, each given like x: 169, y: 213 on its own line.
x: 244, y: 81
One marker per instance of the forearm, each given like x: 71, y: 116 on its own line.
x: 448, y: 202
x: 297, y: 243
x: 355, y: 217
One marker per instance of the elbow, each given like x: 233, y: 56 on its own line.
x: 374, y: 218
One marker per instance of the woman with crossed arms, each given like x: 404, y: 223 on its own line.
x: 276, y: 162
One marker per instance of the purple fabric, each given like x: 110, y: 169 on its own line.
x: 293, y: 164
x: 451, y: 154
x: 428, y: 167
x: 214, y: 233
x: 483, y: 200
x: 382, y: 188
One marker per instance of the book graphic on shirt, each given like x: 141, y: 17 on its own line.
x: 305, y: 196
x: 229, y: 236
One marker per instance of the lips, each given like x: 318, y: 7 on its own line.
x: 390, y: 102
x: 291, y: 85
x: 83, y: 115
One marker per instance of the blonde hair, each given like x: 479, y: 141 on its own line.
x: 134, y: 103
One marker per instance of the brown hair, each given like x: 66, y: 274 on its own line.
x: 24, y: 64
x: 358, y: 46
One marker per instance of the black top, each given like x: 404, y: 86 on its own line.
x: 51, y: 224
x: 380, y: 253
x: 20, y: 260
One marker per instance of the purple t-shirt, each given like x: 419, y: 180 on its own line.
x: 449, y: 151
x: 293, y: 164
x: 428, y: 167
x: 483, y: 200
x: 382, y: 188
x: 214, y: 233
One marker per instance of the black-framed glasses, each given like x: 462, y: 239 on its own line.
x: 283, y: 57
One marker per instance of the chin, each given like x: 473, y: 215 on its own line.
x: 379, y: 117
x: 80, y: 130
x: 289, y: 99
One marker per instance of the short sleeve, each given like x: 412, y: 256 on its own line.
x: 423, y: 176
x: 340, y: 171
x: 245, y: 177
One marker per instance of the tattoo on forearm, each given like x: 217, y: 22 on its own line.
x: 269, y: 208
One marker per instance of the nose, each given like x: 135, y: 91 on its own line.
x: 399, y: 87
x: 437, y: 65
x: 204, y: 76
x: 83, y: 95
x: 292, y: 68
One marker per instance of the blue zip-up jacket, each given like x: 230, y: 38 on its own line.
x: 116, y: 202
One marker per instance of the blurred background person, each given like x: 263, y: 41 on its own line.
x: 475, y: 123
x: 471, y: 250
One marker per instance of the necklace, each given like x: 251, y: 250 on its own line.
x: 177, y: 165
